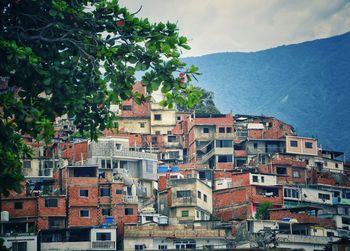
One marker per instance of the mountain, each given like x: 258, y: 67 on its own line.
x: 306, y: 85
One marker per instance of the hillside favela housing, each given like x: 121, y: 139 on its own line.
x: 177, y: 180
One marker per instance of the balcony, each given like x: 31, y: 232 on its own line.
x: 292, y: 238
x: 103, y: 245
x: 131, y: 199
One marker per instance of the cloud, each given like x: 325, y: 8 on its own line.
x: 247, y: 25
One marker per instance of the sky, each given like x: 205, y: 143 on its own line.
x: 246, y: 25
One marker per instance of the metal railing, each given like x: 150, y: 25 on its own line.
x: 103, y: 244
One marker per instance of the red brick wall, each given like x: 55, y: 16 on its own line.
x: 142, y: 110
x: 75, y: 151
x: 240, y: 212
x: 240, y: 180
x: 225, y: 166
x: 228, y: 197
x: 74, y: 218
x: 162, y: 183
x: 60, y: 210
x: 29, y: 208
x: 76, y: 200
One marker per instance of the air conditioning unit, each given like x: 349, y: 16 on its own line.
x: 5, y: 216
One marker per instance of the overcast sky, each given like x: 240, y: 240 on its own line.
x: 247, y: 25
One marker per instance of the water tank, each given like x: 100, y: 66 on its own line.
x: 5, y: 216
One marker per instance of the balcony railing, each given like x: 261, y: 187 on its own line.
x: 131, y: 199
x: 293, y: 238
x: 103, y: 245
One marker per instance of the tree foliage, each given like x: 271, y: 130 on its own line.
x: 262, y: 212
x: 206, y: 104
x: 76, y: 57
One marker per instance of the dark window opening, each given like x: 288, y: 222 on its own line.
x: 84, y: 213
x: 255, y: 178
x: 294, y: 143
x: 119, y: 191
x: 105, y: 192
x: 84, y: 193
x: 103, y: 236
x: 225, y: 158
x: 224, y: 143
x: 308, y: 145
x: 106, y: 211
x: 205, y: 130
x: 18, y: 205
x: 221, y: 129
x: 126, y: 107
x: 51, y: 202
x: 157, y: 117
x: 171, y: 138
x: 228, y: 129
x: 129, y: 211
x: 184, y: 193
x: 281, y: 170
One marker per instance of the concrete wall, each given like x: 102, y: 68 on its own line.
x: 301, y: 148
x: 54, y: 246
x: 31, y: 241
x: 263, y: 180
x: 134, y: 125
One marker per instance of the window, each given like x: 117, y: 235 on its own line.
x: 228, y: 129
x: 154, y: 140
x: 84, y: 213
x: 178, y: 118
x: 139, y: 247
x: 294, y: 143
x: 149, y: 218
x: 149, y: 166
x: 169, y: 132
x: 205, y: 130
x: 126, y: 107
x: 296, y: 174
x: 184, y: 213
x: 205, y: 197
x: 325, y: 163
x: 199, y: 195
x: 225, y: 158
x: 103, y: 236
x: 119, y: 191
x: 157, y: 132
x: 336, y: 165
x: 18, y: 205
x: 255, y: 145
x: 105, y: 192
x: 221, y: 129
x: 51, y: 202
x: 324, y: 196
x: 27, y: 164
x: 19, y: 246
x: 224, y: 143
x: 291, y: 193
x: 255, y: 178
x: 281, y: 170
x: 308, y: 145
x: 157, y: 117
x: 171, y: 138
x: 197, y: 214
x: 142, y: 125
x: 106, y: 211
x: 84, y: 193
x: 262, y: 179
x: 129, y: 211
x: 56, y: 222
x: 184, y: 193
x: 162, y: 247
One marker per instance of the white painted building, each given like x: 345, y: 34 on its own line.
x: 21, y: 242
